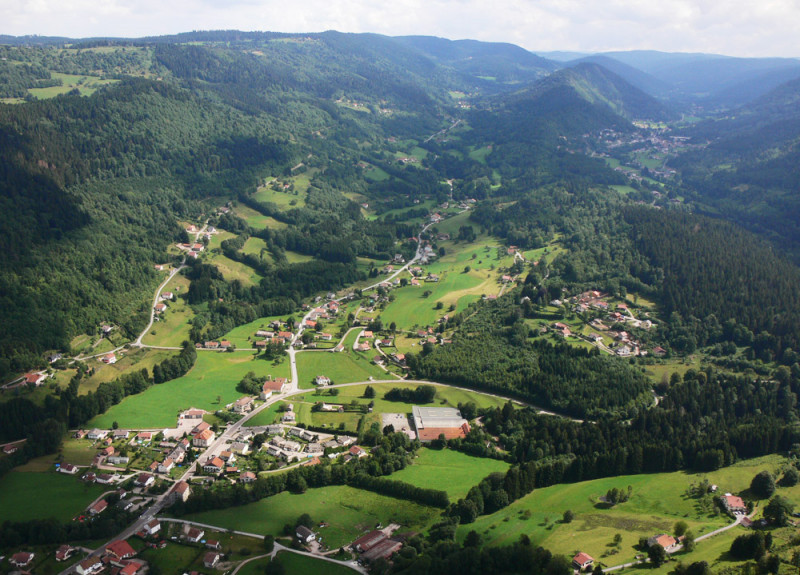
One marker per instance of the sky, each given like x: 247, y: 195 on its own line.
x: 732, y: 27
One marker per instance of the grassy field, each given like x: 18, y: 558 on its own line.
x: 133, y: 359
x: 448, y: 470
x: 175, y: 558
x: 349, y: 512
x: 86, y: 85
x: 287, y: 199
x: 258, y: 248
x: 344, y: 367
x: 256, y: 219
x: 245, y: 335
x: 214, y: 374
x: 25, y: 496
x: 296, y: 258
x: 296, y: 564
x: 657, y: 502
x: 232, y: 270
x: 172, y: 327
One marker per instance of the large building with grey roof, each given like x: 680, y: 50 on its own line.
x: 433, y: 422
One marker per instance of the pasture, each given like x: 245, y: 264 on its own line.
x: 296, y: 564
x: 349, y: 512
x: 28, y: 495
x: 172, y: 327
x: 344, y: 367
x: 657, y: 502
x: 448, y: 470
x: 215, y: 374
x: 256, y: 219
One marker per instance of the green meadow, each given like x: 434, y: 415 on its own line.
x: 343, y: 367
x: 448, y: 470
x: 172, y: 327
x: 28, y: 495
x: 256, y: 219
x: 349, y: 512
x: 657, y: 502
x: 215, y: 374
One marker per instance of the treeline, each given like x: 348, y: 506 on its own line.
x: 420, y: 394
x: 493, y: 350
x: 401, y: 490
x: 706, y: 421
x: 175, y: 367
x: 51, y: 531
x: 393, y: 452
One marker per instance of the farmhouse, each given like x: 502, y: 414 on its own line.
x: 733, y: 503
x: 304, y: 534
x: 431, y: 422
x: 160, y: 306
x: 35, y: 378
x: 272, y: 385
x: 582, y: 560
x: 383, y: 550
x: 668, y: 542
x: 368, y: 541
x: 322, y: 380
x: 68, y: 468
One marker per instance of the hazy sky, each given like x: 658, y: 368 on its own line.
x: 735, y: 27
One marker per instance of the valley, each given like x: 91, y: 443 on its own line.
x: 342, y: 303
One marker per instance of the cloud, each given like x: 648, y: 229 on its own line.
x: 735, y: 27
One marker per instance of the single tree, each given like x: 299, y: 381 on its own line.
x: 657, y: 555
x: 568, y: 516
x: 680, y: 528
x: 763, y: 485
x: 778, y: 510
x: 269, y: 543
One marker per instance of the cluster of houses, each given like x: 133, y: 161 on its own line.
x: 291, y: 443
x: 193, y: 250
x: 222, y: 345
x: 276, y: 334
x: 118, y: 558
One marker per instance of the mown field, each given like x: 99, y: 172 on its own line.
x: 657, y: 502
x: 257, y: 220
x: 215, y: 374
x: 30, y: 495
x: 448, y: 470
x: 344, y: 367
x: 349, y: 513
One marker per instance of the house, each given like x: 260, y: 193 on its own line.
x: 242, y: 405
x: 202, y: 426
x: 325, y: 336
x: 272, y: 385
x: 120, y: 550
x: 80, y: 434
x: 107, y: 451
x: 213, y: 544
x: 659, y: 351
x: 224, y: 344
x: 166, y: 465
x: 181, y: 491
x: 89, y: 477
x: 167, y: 295
x: 160, y: 306
x: 124, y: 504
x: 211, y: 559
x: 623, y: 351
x: 35, y: 378
x: 64, y: 552
x: 195, y: 535
x: 130, y: 568
x: 105, y: 478
x: 21, y: 559
x: 143, y: 436
x: 152, y: 527
x: 227, y: 457
x: 144, y: 480
x: 68, y: 468
x: 288, y: 416
x: 733, y: 503
x: 89, y: 566
x: 356, y: 451
x: 211, y: 345
x: 97, y: 434
x: 153, y: 467
x: 240, y: 447
x: 121, y: 434
x: 322, y: 380
x: 214, y: 465
x: 203, y: 439
x: 98, y: 507
x: 247, y: 477
x: 198, y: 247
x: 506, y: 279
x: 368, y: 541
x: 304, y: 534
x: 668, y: 542
x: 362, y: 347
x: 399, y: 358
x: 582, y: 560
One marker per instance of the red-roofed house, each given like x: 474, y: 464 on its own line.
x: 368, y: 541
x: 64, y: 552
x: 35, y: 378
x: 211, y: 559
x: 144, y: 480
x: 21, y: 559
x: 152, y: 527
x: 203, y: 439
x: 98, y: 507
x: 733, y: 503
x: 195, y: 535
x: 181, y: 491
x: 272, y: 385
x: 582, y: 560
x: 247, y: 477
x: 120, y: 549
x: 89, y: 566
x: 668, y: 542
x: 214, y: 465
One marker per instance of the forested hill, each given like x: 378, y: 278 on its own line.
x: 749, y: 173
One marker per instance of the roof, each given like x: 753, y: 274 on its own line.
x: 383, y: 549
x: 216, y: 462
x: 664, y: 540
x: 304, y: 531
x: 194, y: 533
x: 89, y: 562
x: 366, y: 542
x: 582, y: 558
x: 121, y: 549
x: 211, y: 557
x: 734, y: 501
x: 432, y: 433
x: 99, y: 506
x: 205, y: 434
x: 274, y: 384
x: 129, y: 569
x: 180, y: 487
